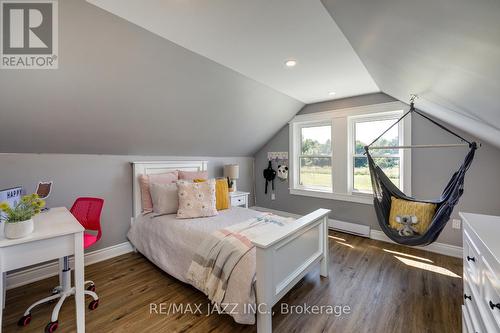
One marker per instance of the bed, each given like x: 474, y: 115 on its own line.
x: 276, y: 263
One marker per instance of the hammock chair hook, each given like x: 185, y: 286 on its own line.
x: 413, y: 97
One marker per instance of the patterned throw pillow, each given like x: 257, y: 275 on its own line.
x: 221, y: 192
x: 196, y: 199
x: 423, y: 211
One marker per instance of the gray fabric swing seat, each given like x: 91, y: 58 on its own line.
x: 384, y: 189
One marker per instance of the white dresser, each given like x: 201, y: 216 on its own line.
x: 481, y: 309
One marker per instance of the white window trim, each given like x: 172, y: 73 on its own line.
x: 404, y: 127
x: 342, y: 148
x: 298, y: 146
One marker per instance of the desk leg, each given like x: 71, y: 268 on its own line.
x: 79, y: 279
x: 2, y: 300
x: 4, y: 284
x: 61, y: 267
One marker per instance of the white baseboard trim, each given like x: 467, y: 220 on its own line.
x: 365, y: 231
x: 441, y: 248
x: 44, y: 271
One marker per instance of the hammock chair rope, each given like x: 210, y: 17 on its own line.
x: 384, y: 189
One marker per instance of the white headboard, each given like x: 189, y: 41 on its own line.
x: 153, y: 167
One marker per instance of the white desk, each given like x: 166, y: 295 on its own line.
x: 57, y: 234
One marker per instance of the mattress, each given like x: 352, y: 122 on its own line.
x: 170, y: 244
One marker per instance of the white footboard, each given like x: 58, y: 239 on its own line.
x: 283, y: 259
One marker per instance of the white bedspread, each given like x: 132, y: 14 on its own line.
x: 170, y: 243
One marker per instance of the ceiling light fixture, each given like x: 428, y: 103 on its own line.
x: 332, y: 93
x: 290, y: 63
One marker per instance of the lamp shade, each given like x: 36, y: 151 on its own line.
x: 232, y: 171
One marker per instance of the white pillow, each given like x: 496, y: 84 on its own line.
x: 165, y: 198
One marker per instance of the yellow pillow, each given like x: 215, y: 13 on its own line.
x: 199, y: 180
x: 221, y: 194
x: 423, y: 211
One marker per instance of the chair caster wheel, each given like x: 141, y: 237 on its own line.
x: 91, y: 288
x: 51, y: 327
x: 24, y: 321
x: 94, y: 304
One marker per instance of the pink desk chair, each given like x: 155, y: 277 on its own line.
x: 88, y: 212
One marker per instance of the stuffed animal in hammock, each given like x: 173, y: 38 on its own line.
x: 407, y: 222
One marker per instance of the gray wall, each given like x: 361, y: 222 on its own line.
x: 121, y: 89
x: 105, y: 176
x: 431, y: 169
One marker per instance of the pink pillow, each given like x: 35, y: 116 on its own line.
x: 196, y: 199
x: 160, y: 178
x: 192, y: 175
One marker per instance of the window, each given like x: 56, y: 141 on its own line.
x: 365, y: 130
x: 315, y: 159
x: 327, y: 151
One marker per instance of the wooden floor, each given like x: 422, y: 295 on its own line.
x: 384, y: 293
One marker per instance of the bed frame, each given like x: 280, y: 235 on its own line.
x: 282, y: 259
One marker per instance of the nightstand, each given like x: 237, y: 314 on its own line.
x: 239, y: 199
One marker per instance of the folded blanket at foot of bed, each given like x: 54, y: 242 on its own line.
x: 219, y: 253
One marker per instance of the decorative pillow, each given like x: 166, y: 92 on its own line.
x: 160, y: 178
x: 424, y: 212
x: 165, y: 198
x: 192, y: 175
x: 196, y: 199
x: 221, y: 194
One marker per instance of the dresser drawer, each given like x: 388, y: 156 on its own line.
x: 239, y: 200
x: 466, y: 321
x: 481, y: 278
x: 472, y: 258
x: 471, y: 298
x: 491, y: 295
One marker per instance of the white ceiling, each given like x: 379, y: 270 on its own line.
x: 255, y: 38
x: 446, y: 51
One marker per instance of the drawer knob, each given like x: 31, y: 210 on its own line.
x: 493, y: 305
x: 467, y: 297
x: 471, y: 258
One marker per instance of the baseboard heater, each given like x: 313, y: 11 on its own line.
x: 350, y: 228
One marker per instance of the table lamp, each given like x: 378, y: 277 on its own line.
x: 232, y: 172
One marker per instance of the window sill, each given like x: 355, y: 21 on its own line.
x: 356, y: 197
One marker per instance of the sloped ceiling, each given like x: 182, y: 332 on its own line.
x: 120, y: 89
x: 255, y: 37
x: 446, y: 51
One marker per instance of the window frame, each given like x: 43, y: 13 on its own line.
x: 342, y: 122
x: 297, y: 157
x: 402, y: 140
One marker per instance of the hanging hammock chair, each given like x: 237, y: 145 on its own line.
x: 384, y: 189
